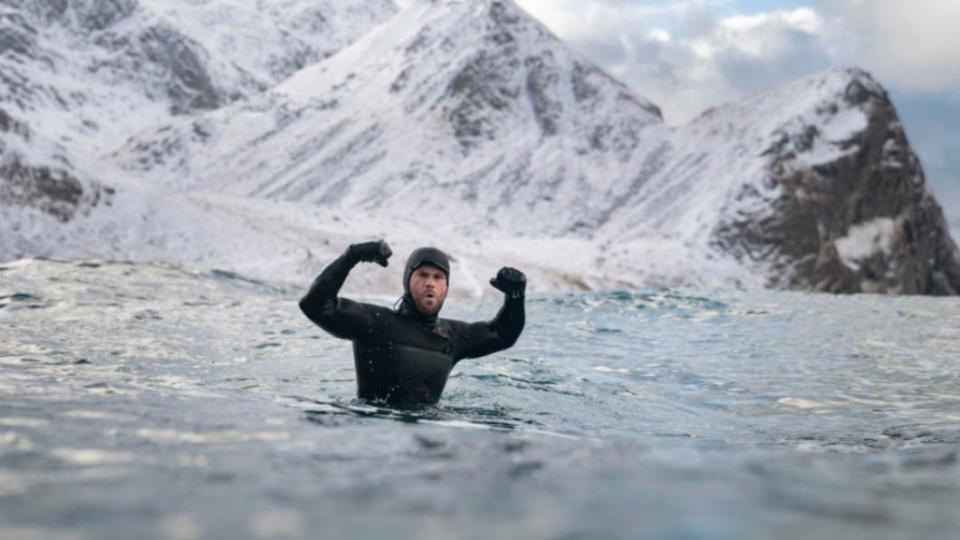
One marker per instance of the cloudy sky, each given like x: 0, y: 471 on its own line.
x: 687, y: 55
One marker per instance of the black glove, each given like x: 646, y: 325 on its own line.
x: 377, y: 252
x: 511, y: 281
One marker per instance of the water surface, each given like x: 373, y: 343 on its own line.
x: 144, y: 401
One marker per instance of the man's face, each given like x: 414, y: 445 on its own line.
x: 428, y: 287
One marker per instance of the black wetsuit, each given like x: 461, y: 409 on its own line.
x: 403, y: 357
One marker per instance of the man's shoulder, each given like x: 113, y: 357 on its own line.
x: 454, y: 324
x: 376, y: 309
x: 368, y: 308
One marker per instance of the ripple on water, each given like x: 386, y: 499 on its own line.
x: 92, y: 456
x: 147, y: 315
x: 23, y: 422
x: 17, y: 301
x: 86, y: 414
x: 173, y: 436
x: 14, y: 441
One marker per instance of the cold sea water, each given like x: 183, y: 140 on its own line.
x: 141, y: 401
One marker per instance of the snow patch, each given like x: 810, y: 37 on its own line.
x: 866, y: 240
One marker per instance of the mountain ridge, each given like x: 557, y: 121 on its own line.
x: 469, y: 123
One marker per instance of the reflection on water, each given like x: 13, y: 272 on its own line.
x: 144, y: 401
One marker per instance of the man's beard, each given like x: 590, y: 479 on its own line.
x: 424, y: 309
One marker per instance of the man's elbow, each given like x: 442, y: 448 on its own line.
x: 309, y: 308
x: 516, y: 328
x: 509, y: 338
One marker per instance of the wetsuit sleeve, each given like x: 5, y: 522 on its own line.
x: 483, y: 338
x: 340, y: 317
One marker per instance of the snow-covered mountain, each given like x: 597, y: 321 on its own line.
x: 79, y: 77
x: 468, y: 125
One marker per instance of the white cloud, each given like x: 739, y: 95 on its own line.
x: 802, y: 18
x: 687, y: 56
x: 914, y: 45
x: 659, y: 35
x: 579, y: 19
x: 765, y: 34
x: 664, y: 48
x: 713, y: 61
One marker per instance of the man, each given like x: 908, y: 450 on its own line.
x: 403, y: 356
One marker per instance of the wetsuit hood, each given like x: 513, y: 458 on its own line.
x: 420, y: 257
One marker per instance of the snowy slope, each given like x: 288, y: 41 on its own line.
x: 468, y: 111
x: 466, y: 124
x: 93, y: 72
x: 81, y: 77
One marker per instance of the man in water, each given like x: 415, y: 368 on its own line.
x: 403, y: 356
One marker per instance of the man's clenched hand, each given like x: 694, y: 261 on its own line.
x: 378, y: 252
x: 511, y: 281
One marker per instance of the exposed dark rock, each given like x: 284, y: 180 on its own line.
x: 542, y: 79
x: 401, y: 81
x: 480, y: 87
x: 189, y: 85
x: 504, y: 14
x: 487, y: 88
x: 17, y: 36
x: 93, y: 16
x: 586, y: 80
x: 8, y: 124
x: 874, y: 193
x: 51, y: 190
x: 583, y: 90
x: 48, y: 10
x: 171, y: 65
x: 87, y: 16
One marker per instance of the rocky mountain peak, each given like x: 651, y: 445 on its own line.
x: 81, y: 76
x: 850, y: 210
x: 464, y: 121
x: 515, y: 57
x: 473, y: 75
x: 94, y: 62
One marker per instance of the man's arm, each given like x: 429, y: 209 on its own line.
x: 339, y: 316
x: 483, y: 338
